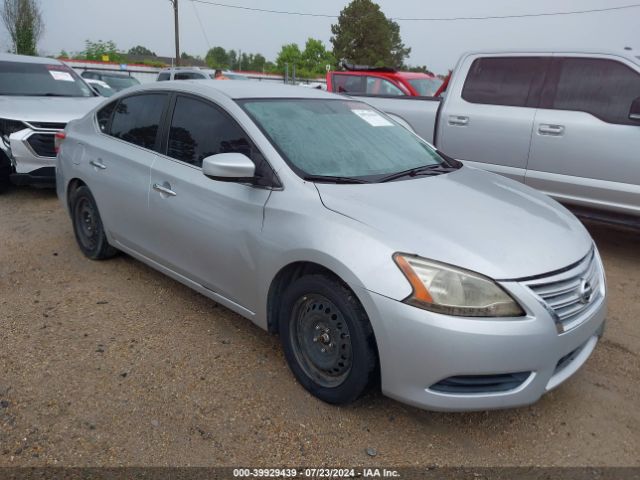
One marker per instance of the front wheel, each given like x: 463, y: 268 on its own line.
x: 87, y: 225
x: 327, y: 339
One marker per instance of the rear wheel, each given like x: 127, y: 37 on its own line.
x: 87, y: 225
x: 327, y: 339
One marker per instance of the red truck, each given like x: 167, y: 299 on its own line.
x: 382, y: 81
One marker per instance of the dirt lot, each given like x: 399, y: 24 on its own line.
x: 114, y: 364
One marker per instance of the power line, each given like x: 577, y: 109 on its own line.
x: 433, y: 19
x: 204, y: 33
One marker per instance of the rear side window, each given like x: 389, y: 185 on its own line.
x: 199, y: 130
x: 603, y: 88
x: 163, y: 77
x: 137, y: 119
x: 509, y: 81
x: 104, y: 116
x: 188, y: 76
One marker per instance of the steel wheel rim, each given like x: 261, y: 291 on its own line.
x: 86, y: 223
x: 321, y: 340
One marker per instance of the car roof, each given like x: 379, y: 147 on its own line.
x: 238, y: 90
x: 633, y: 55
x: 377, y: 73
x: 109, y: 74
x: 10, y: 57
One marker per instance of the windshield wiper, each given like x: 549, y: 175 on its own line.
x: 332, y: 179
x: 427, y: 170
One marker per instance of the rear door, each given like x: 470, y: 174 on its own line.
x: 118, y: 165
x: 488, y: 116
x: 585, y: 147
x: 203, y: 229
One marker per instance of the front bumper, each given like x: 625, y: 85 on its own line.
x: 419, y: 349
x: 32, y: 155
x: 41, y: 177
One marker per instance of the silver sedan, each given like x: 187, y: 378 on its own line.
x: 380, y: 262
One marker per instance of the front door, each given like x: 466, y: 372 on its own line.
x: 204, y: 229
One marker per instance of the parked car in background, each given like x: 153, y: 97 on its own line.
x: 362, y: 80
x: 117, y: 81
x: 375, y: 258
x: 102, y: 88
x: 564, y: 122
x: 196, y: 73
x: 38, y: 96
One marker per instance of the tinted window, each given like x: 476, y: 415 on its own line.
x: 104, y: 115
x: 188, y: 76
x: 136, y: 119
x: 604, y: 88
x: 504, y: 81
x: 89, y: 75
x: 163, y: 77
x: 349, y: 84
x: 380, y: 86
x: 199, y: 130
x: 39, y: 79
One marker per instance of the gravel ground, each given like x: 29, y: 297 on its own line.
x: 111, y: 363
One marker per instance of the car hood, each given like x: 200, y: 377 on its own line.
x: 469, y: 218
x: 46, y: 109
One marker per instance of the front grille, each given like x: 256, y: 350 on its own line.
x: 48, y: 125
x: 468, y: 384
x: 43, y: 144
x: 570, y: 295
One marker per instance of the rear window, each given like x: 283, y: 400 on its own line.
x: 41, y: 80
x: 509, y: 81
x: 603, y: 88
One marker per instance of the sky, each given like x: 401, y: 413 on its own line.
x: 68, y: 23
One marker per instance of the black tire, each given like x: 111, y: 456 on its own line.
x: 87, y: 225
x: 327, y: 339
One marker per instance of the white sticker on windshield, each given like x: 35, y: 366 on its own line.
x: 61, y: 76
x: 373, y: 118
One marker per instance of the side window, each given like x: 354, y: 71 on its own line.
x: 104, y: 115
x: 509, y: 81
x: 164, y: 76
x: 348, y: 84
x: 380, y: 86
x: 88, y: 75
x: 199, y: 130
x: 188, y: 76
x: 603, y: 88
x: 137, y: 119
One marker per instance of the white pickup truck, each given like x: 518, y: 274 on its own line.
x: 566, y: 123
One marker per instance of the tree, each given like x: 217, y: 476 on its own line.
x: 141, y: 51
x: 364, y: 35
x: 291, y: 55
x: 315, y: 57
x: 23, y: 20
x: 100, y: 50
x: 217, y: 57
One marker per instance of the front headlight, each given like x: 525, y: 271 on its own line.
x: 454, y: 291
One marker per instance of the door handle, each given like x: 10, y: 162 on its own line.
x: 458, y: 120
x: 98, y: 164
x: 165, y: 188
x: 555, y: 130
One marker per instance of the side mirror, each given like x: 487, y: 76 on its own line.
x: 229, y: 167
x: 634, y: 113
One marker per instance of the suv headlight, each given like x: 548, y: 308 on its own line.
x: 454, y: 291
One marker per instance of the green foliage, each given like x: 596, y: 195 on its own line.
x: 420, y: 69
x: 23, y: 20
x: 63, y: 54
x: 217, y: 57
x: 96, y: 51
x: 309, y: 63
x: 364, y: 35
x: 154, y: 63
x: 142, y: 51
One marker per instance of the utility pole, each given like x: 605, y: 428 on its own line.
x: 177, y: 30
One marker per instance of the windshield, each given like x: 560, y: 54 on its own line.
x: 426, y: 87
x: 37, y: 79
x: 120, y: 83
x: 339, y: 138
